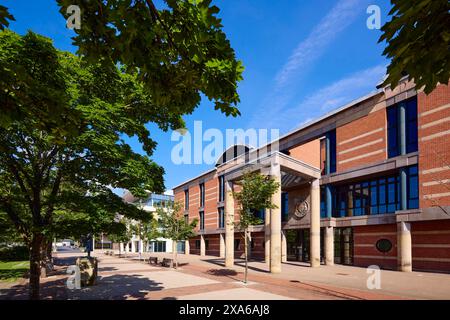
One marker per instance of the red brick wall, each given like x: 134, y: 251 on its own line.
x: 308, y: 153
x: 431, y: 245
x: 213, y: 245
x: 192, y: 249
x: 376, y: 141
x: 365, y: 251
x: 434, y: 153
x: 211, y: 198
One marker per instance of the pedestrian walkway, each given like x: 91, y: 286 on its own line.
x: 205, y: 278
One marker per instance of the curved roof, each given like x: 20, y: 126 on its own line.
x: 232, y: 152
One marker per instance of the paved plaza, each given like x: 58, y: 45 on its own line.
x: 205, y: 278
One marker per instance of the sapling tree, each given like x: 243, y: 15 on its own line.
x: 175, y: 226
x: 255, y: 194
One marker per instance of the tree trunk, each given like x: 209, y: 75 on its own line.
x: 175, y: 254
x: 35, y: 266
x: 246, y: 255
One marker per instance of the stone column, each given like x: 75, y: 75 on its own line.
x: 186, y: 247
x: 329, y: 246
x: 267, y: 236
x: 174, y: 246
x: 221, y: 245
x: 275, y: 223
x: 315, y: 224
x: 141, y: 246
x: 283, y: 246
x: 127, y: 247
x: 229, y: 225
x: 121, y: 247
x: 133, y: 246
x: 202, y: 246
x: 404, y: 247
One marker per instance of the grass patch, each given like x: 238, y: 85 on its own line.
x: 10, y: 271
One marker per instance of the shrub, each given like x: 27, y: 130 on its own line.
x: 16, y: 253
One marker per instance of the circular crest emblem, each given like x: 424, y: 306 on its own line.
x: 301, y: 209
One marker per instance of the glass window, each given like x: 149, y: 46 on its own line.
x: 186, y: 199
x: 237, y: 243
x: 202, y: 220
x: 413, y: 187
x: 221, y: 218
x: 284, y: 206
x: 374, y: 197
x: 202, y: 194
x: 332, y: 137
x: 392, y: 126
x: 411, y: 125
x: 197, y: 244
x: 221, y: 188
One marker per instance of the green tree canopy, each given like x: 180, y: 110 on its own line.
x: 179, y: 50
x: 418, y: 38
x: 63, y: 150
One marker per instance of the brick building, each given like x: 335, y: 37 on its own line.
x: 367, y: 184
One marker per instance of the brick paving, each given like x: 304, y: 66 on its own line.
x: 207, y: 278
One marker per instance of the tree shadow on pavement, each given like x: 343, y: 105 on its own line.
x: 115, y: 287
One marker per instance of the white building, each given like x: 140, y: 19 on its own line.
x: 150, y: 204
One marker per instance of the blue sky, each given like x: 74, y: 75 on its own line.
x: 302, y: 59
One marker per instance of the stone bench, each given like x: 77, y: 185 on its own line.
x: 167, y: 263
x: 153, y: 260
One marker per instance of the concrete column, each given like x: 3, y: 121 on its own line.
x: 229, y: 225
x: 93, y: 243
x: 222, y: 245
x: 121, y: 247
x: 133, y: 246
x: 202, y: 246
x: 404, y: 247
x: 315, y: 224
x: 127, y: 247
x: 141, y: 246
x: 275, y: 223
x: 329, y: 246
x: 267, y: 236
x: 283, y: 246
x: 174, y: 246
x: 187, y: 249
x: 403, y: 190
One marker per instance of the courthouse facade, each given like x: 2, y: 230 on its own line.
x: 367, y: 184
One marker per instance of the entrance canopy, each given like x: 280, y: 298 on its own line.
x: 293, y: 172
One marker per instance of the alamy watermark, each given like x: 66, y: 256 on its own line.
x: 74, y: 19
x: 74, y: 280
x: 374, y: 279
x: 205, y: 147
x: 373, y: 22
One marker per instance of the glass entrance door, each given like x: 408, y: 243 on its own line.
x: 297, y: 245
x: 343, y: 246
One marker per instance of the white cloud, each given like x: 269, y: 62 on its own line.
x: 303, y: 57
x: 307, y: 51
x: 331, y: 97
